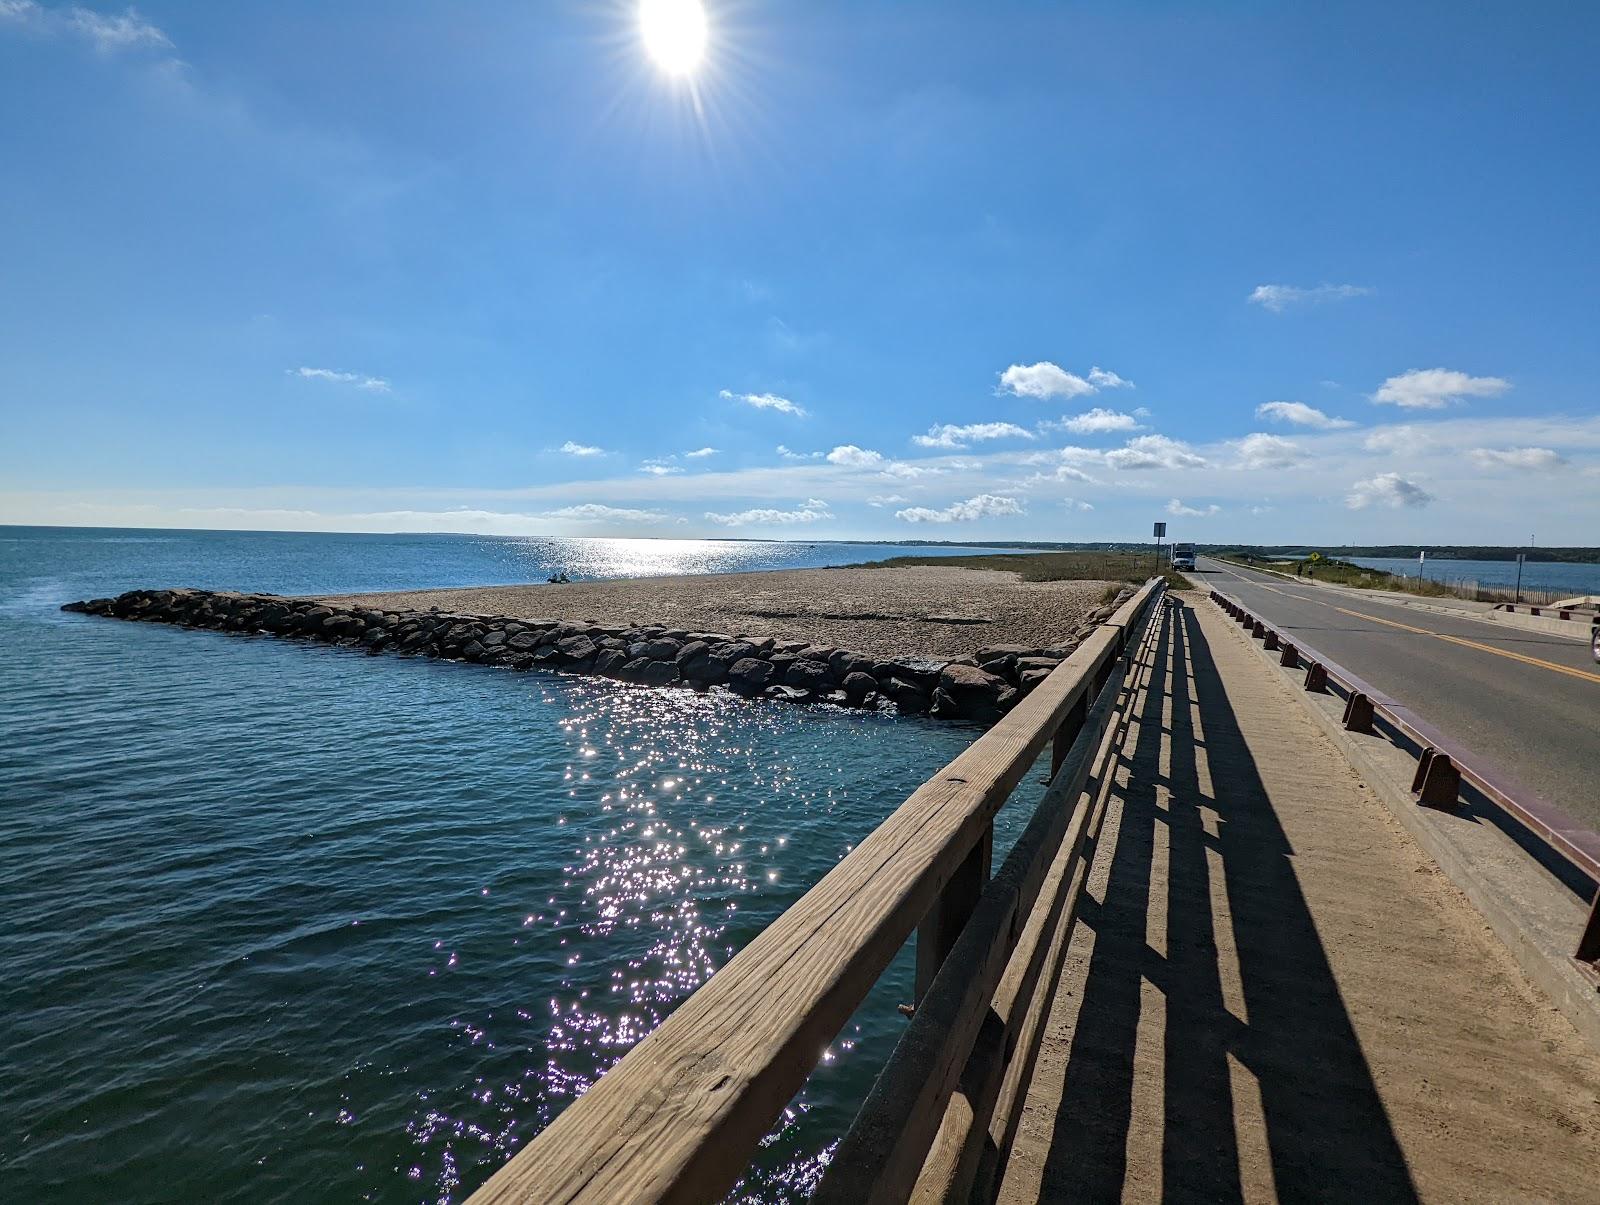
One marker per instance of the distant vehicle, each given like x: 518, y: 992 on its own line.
x: 1183, y: 556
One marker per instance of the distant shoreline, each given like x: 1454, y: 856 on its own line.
x: 1553, y: 554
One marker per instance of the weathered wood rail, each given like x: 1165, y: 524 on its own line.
x: 679, y: 1117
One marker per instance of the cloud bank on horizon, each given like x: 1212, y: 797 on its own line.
x: 628, y: 324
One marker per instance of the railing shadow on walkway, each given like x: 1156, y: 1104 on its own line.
x: 1327, y: 1133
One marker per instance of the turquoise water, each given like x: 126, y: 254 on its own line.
x: 286, y: 922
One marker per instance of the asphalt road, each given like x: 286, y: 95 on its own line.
x: 1523, y: 701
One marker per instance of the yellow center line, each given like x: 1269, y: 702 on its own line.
x: 1473, y: 644
x: 1585, y: 675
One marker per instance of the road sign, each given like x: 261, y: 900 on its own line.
x: 1161, y: 530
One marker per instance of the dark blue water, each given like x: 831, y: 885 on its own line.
x: 285, y: 922
x: 1555, y: 577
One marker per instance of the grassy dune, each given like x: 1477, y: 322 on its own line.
x: 1056, y: 566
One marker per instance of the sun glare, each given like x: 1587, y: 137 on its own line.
x: 674, y: 32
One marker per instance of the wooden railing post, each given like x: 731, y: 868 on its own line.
x: 1071, y: 725
x: 1589, y: 942
x: 937, y: 933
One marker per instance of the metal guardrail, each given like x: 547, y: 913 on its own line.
x: 680, y: 1115
x: 1443, y: 764
x: 1550, y: 611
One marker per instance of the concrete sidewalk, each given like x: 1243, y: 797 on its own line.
x: 1273, y: 993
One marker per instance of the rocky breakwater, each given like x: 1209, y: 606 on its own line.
x: 979, y: 688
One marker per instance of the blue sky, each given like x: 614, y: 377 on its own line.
x: 1268, y: 272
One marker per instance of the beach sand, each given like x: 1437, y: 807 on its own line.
x: 912, y: 611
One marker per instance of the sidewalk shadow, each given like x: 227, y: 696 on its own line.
x: 1328, y: 1135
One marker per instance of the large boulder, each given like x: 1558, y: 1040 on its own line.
x: 661, y: 648
x: 576, y: 648
x: 650, y: 673
x: 844, y: 662
x: 976, y: 693
x: 691, y: 650
x: 908, y: 696
x: 751, y: 674
x: 808, y: 674
x: 858, y: 685
x: 609, y: 662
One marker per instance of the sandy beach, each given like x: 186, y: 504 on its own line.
x: 912, y: 611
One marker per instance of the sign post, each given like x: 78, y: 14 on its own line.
x: 1161, y: 530
x: 1521, y: 556
x: 1422, y: 563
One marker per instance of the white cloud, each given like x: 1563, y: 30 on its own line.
x: 885, y: 500
x: 905, y: 471
x: 763, y: 401
x: 1435, y: 388
x: 700, y: 453
x: 1077, y: 504
x: 856, y: 458
x: 790, y: 454
x: 1176, y: 507
x: 1097, y: 421
x: 660, y: 466
x: 812, y: 510
x: 1260, y: 451
x: 1043, y: 380
x: 1278, y: 298
x: 1154, y: 452
x: 1518, y: 458
x: 1062, y: 472
x: 984, y: 506
x: 594, y: 512
x: 1386, y: 489
x: 946, y: 435
x: 573, y: 448
x: 359, y: 380
x: 1301, y: 415
x: 106, y: 32
x: 1104, y: 378
x: 110, y: 33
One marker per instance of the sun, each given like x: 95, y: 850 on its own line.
x: 674, y: 32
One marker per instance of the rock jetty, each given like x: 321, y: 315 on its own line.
x: 980, y: 688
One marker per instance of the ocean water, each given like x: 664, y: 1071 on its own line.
x: 1562, y: 577
x: 286, y: 922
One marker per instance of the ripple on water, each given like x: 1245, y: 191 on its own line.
x: 290, y: 921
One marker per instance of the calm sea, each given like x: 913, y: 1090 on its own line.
x: 1555, y: 576
x: 284, y: 922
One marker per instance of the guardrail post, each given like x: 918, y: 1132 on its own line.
x: 1437, y: 782
x: 1589, y: 942
x: 936, y: 935
x: 1270, y: 640
x: 1290, y: 657
x: 1244, y: 618
x: 1259, y: 630
x: 1316, y: 678
x: 1358, y: 713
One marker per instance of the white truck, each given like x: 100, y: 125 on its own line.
x: 1183, y: 556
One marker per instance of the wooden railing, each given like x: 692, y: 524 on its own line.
x: 679, y: 1117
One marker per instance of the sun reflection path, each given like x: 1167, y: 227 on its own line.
x: 684, y: 826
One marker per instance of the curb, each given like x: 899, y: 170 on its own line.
x: 1535, y: 917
